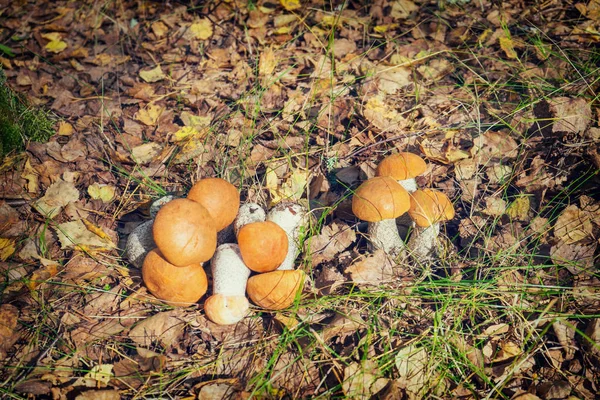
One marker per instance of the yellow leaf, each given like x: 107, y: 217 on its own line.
x: 149, y: 115
x: 56, y: 45
x: 7, y: 248
x: 159, y: 29
x: 267, y: 62
x: 290, y: 189
x: 384, y: 28
x: 195, y: 121
x: 102, y: 192
x: 201, y: 29
x: 519, y: 209
x: 507, y: 45
x: 185, y: 133
x: 153, y: 75
x: 65, y: 129
x: 31, y: 176
x: 290, y: 5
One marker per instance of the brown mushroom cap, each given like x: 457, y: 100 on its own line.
x: 184, y: 232
x: 429, y: 206
x: 380, y: 198
x: 178, y: 286
x: 226, y: 310
x: 275, y: 290
x: 263, y: 245
x: 401, y: 166
x: 220, y: 198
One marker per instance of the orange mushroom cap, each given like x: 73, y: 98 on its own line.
x: 275, y: 290
x: 178, y: 286
x: 429, y: 206
x: 380, y: 198
x: 220, y: 198
x: 401, y: 166
x: 263, y: 245
x: 184, y: 232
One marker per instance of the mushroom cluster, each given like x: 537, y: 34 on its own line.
x: 184, y: 236
x: 394, y: 192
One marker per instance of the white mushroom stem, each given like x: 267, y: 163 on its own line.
x: 409, y: 184
x: 228, y: 304
x: 423, y: 241
x: 384, y: 235
x: 248, y: 212
x: 291, y: 217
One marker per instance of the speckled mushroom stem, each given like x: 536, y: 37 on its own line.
x: 423, y: 242
x: 248, y: 213
x: 384, y: 235
x: 291, y: 217
x: 228, y: 304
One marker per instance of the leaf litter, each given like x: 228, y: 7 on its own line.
x: 296, y: 100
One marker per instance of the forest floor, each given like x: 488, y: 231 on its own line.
x: 299, y: 100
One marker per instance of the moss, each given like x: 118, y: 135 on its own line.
x: 19, y: 122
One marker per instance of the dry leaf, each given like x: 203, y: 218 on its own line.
x: 519, y: 209
x: 153, y: 75
x: 290, y: 189
x: 7, y: 248
x: 159, y: 29
x: 149, y: 115
x: 492, y: 145
x: 332, y: 240
x: 363, y: 381
x: 267, y: 64
x: 56, y: 44
x: 411, y: 362
x: 577, y: 258
x: 507, y: 45
x: 75, y: 234
x: 570, y: 115
x: 494, y: 206
x: 165, y: 328
x: 145, y: 153
x: 372, y: 269
x: 201, y: 29
x: 57, y: 196
x: 291, y: 5
x: 572, y: 225
x: 401, y: 9
x: 100, y: 191
x: 342, y: 326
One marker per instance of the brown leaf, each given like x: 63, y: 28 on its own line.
x: 576, y: 257
x: 58, y: 195
x: 572, y: 225
x: 372, y: 269
x: 333, y: 239
x: 165, y: 327
x: 9, y: 315
x: 570, y: 115
x: 363, y: 381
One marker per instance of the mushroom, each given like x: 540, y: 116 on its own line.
x: 291, y: 217
x: 379, y: 201
x: 184, y: 232
x: 275, y: 290
x: 228, y: 303
x: 263, y: 245
x: 428, y: 207
x: 249, y: 212
x: 220, y: 198
x: 403, y: 167
x: 178, y: 286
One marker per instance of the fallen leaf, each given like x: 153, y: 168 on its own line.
x: 153, y: 75
x: 576, y: 257
x: 149, y: 115
x: 342, y: 326
x: 165, y: 328
x: 57, y: 196
x: 494, y: 206
x: 98, y: 191
x: 363, y: 381
x: 145, y: 153
x: 507, y: 45
x: 519, y: 209
x: 55, y: 44
x: 411, y: 362
x: 267, y: 64
x: 572, y: 225
x: 159, y: 29
x: 290, y: 189
x: 291, y: 5
x: 9, y: 315
x: 492, y: 145
x: 74, y: 234
x: 201, y: 29
x: 7, y: 248
x: 372, y: 269
x: 570, y: 115
x: 402, y: 9
x: 333, y: 239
